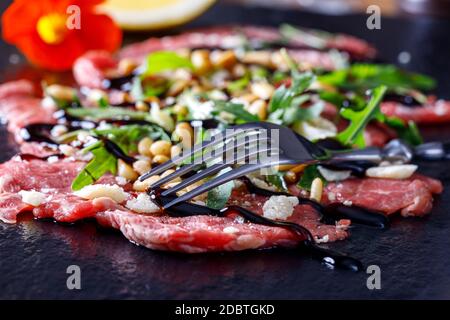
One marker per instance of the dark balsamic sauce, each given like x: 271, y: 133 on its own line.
x: 114, y: 149
x: 308, y: 245
x: 404, y: 99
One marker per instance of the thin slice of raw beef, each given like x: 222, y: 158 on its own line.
x: 195, y: 234
x: 227, y: 36
x: 410, y: 197
x: 19, y: 106
x: 432, y: 112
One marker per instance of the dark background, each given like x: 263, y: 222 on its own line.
x: 414, y: 255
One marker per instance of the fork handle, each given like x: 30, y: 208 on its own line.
x: 372, y: 154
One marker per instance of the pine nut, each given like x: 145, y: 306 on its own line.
x: 185, y: 133
x: 257, y: 57
x: 161, y: 147
x: 142, y: 106
x: 223, y: 59
x: 142, y: 186
x: 290, y: 177
x: 61, y: 92
x: 160, y: 159
x: 175, y: 151
x: 180, y: 110
x: 126, y: 171
x: 144, y: 146
x: 126, y: 66
x: 258, y: 108
x: 316, y: 189
x: 177, y: 87
x: 142, y: 166
x: 262, y: 90
x: 200, y: 60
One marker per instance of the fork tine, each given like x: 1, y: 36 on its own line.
x: 196, y: 148
x: 177, y: 173
x: 197, y: 177
x: 224, y: 178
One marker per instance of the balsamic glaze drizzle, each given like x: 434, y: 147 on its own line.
x: 326, y: 256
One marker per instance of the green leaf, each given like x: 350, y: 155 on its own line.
x: 309, y: 174
x: 363, y: 76
x: 408, y: 132
x: 237, y: 110
x: 218, y: 197
x: 102, y: 163
x: 359, y: 119
x: 127, y: 136
x: 312, y: 38
x: 239, y: 85
x: 113, y: 113
x: 160, y: 61
x: 146, y: 87
x: 277, y: 180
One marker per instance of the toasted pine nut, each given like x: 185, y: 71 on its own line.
x: 200, y: 60
x: 316, y: 189
x: 262, y: 90
x: 97, y: 95
x: 142, y: 106
x: 257, y: 57
x: 126, y: 171
x: 160, y: 158
x: 223, y: 59
x: 61, y: 92
x: 144, y: 146
x: 258, y: 108
x: 184, y: 131
x: 142, y: 166
x: 290, y: 177
x: 174, y: 151
x: 170, y: 171
x: 180, y: 110
x: 144, y: 185
x: 177, y: 87
x: 126, y: 66
x: 239, y: 70
x: 161, y: 147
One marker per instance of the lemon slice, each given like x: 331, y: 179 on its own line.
x: 154, y: 14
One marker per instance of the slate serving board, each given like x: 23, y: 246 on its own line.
x: 414, y: 254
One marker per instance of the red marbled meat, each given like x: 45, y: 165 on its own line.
x: 89, y: 70
x: 410, y: 197
x: 434, y: 111
x: 19, y: 106
x: 220, y: 36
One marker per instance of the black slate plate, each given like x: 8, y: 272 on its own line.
x: 413, y: 255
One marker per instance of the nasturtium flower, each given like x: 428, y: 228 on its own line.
x: 52, y: 34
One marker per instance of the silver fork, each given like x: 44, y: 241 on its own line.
x: 255, y: 139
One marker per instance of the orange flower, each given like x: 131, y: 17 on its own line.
x: 53, y: 33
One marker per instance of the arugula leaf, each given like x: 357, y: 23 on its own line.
x: 239, y: 84
x: 144, y: 87
x: 309, y: 174
x: 126, y: 136
x: 363, y: 76
x: 160, y: 61
x: 277, y: 180
x: 113, y: 113
x: 408, y: 132
x: 342, y: 101
x: 218, y: 197
x: 236, y: 109
x: 313, y: 38
x: 102, y: 163
x: 353, y: 134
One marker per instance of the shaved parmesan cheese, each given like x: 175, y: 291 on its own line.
x: 334, y: 175
x: 32, y: 197
x: 279, y: 207
x: 142, y: 204
x: 403, y: 171
x: 113, y: 192
x: 230, y: 230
